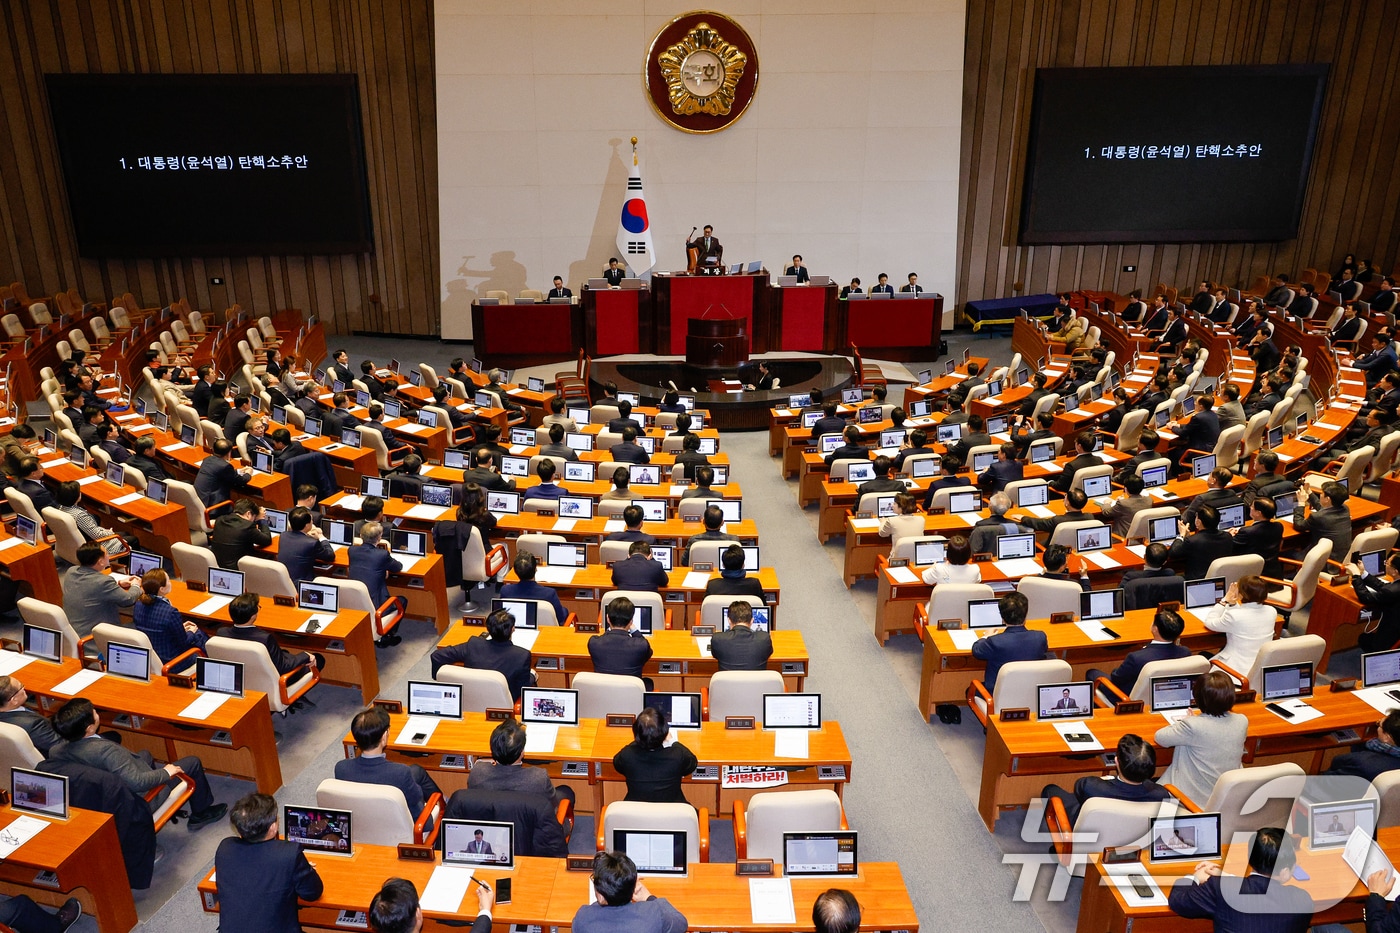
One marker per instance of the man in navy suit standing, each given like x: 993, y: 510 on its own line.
x: 1014, y: 643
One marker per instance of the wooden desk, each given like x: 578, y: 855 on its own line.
x: 80, y: 852
x: 183, y: 462
x: 236, y: 739
x: 1022, y: 757
x: 156, y: 526
x: 677, y: 665
x: 788, y: 439
x: 35, y: 566
x: 347, y: 642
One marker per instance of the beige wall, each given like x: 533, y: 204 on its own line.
x: 848, y: 154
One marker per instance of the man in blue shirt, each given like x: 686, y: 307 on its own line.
x: 525, y: 566
x: 1014, y: 643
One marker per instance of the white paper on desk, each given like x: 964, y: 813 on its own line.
x: 89, y: 479
x: 1052, y: 467
x: 18, y: 833
x: 139, y: 428
x: 790, y: 743
x: 770, y: 901
x: 323, y: 618
x: 992, y: 399
x: 204, y: 706
x: 524, y: 637
x: 53, y: 463
x: 1284, y: 458
x: 1139, y: 549
x: 1093, y: 630
x: 171, y: 448
x: 970, y: 518
x: 1160, y: 492
x: 678, y: 489
x: 129, y: 498
x: 1078, y: 728
x: 1039, y: 511
x: 1324, y: 426
x: 865, y: 524
x: 1175, y: 715
x: 1365, y: 858
x: 540, y: 738
x: 10, y: 542
x: 446, y: 888
x: 1378, y: 698
x: 1198, y: 616
x: 696, y: 580
x: 11, y: 661
x: 903, y: 575
x: 783, y: 412
x: 565, y: 524
x: 555, y: 576
x: 1101, y: 559
x: 1301, y: 711
x: 1104, y: 458
x: 127, y: 417
x: 963, y: 638
x: 411, y: 428
x: 614, y: 524
x: 1124, y: 884
x: 211, y: 605
x: 1018, y: 566
x: 351, y: 503
x: 77, y: 682
x: 430, y: 512
x: 417, y: 725
x: 702, y: 645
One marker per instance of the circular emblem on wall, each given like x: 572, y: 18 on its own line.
x: 701, y: 72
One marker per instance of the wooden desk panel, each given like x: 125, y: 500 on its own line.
x: 79, y: 851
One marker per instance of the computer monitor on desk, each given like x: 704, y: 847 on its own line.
x: 214, y: 676
x: 1154, y: 476
x: 1204, y: 592
x: 1192, y: 836
x: 44, y: 643
x: 484, y: 843
x: 654, y: 851
x: 1173, y: 692
x: 319, y: 829
x: 1010, y: 547
x: 820, y: 854
x: 430, y: 698
x: 1066, y: 701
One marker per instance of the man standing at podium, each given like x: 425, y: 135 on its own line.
x: 709, y: 259
x: 884, y: 287
x: 913, y: 285
x: 797, y: 269
x: 614, y: 273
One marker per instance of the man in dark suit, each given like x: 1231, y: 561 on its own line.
x: 1148, y: 442
x: 912, y: 285
x: 1218, y: 494
x: 525, y: 566
x: 1039, y: 392
x: 709, y: 258
x: 1267, y: 481
x: 1136, y: 763
x: 1279, y: 294
x: 732, y: 579
x: 1027, y: 432
x: 370, y: 728
x: 492, y: 652
x: 741, y: 648
x: 713, y: 520
x: 484, y: 473
x: 1155, y: 583
x: 1262, y: 536
x: 1332, y: 521
x: 203, y: 392
x: 1120, y: 511
x: 303, y: 546
x: 957, y: 395
x: 506, y: 772
x: 1134, y: 309
x: 1176, y: 331
x: 559, y: 291
x: 217, y: 478
x: 1240, y: 903
x: 1202, y: 302
x: 406, y: 479
x: 884, y: 480
x: 1262, y: 350
x: 916, y: 442
x: 1379, y: 423
x: 239, y: 533
x: 640, y: 571
x: 1383, y: 301
x: 1348, y: 327
x: 29, y: 477
x: 691, y: 460
x: 1003, y: 470
x: 1222, y: 311
x: 629, y: 451
x: 1014, y: 643
x: 1349, y: 288
x: 975, y: 436
x: 829, y: 422
x: 851, y: 450
x: 237, y: 420
x: 618, y: 651
x: 1206, y: 543
x: 883, y: 286
x: 284, y: 449
x: 1270, y: 394
x: 371, y: 563
x: 1376, y: 757
x: 259, y: 876
x: 798, y: 270
x: 1380, y: 595
x: 632, y: 518
x: 244, y: 613
x: 1085, y: 457
x: 339, y: 417
x: 15, y: 713
x: 556, y: 446
x: 1166, y: 629
x: 77, y: 723
x: 624, y: 418
x: 1155, y: 319
x: 852, y: 289
x: 614, y: 273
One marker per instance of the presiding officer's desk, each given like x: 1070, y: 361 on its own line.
x: 1022, y: 757
x: 81, y: 852
x: 235, y: 739
x: 347, y: 642
x: 544, y: 894
x: 949, y: 670
x: 679, y: 663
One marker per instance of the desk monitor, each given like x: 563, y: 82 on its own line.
x: 1285, y: 505
x: 140, y: 563
x: 1096, y: 392
x: 262, y: 461
x: 994, y: 388
x: 1276, y: 436
x: 580, y: 471
x: 374, y: 486
x: 534, y: 384
x: 859, y: 471
x: 276, y: 521
x: 647, y: 443
x: 820, y: 854
x: 963, y: 502
x: 1232, y: 516
x: 787, y: 281
x: 1010, y: 547
x: 1101, y: 604
x: 515, y: 466
x: 162, y: 421
x: 762, y: 619
x: 1286, y: 681
x: 709, y: 446
x: 799, y: 400
x: 1066, y: 701
x: 1372, y: 562
x: 214, y: 676
x: 576, y: 441
x: 733, y: 509
x: 190, y: 439
x: 663, y: 554
x: 312, y: 426
x: 578, y: 416
x: 680, y: 710
x: 925, y: 466
x: 644, y: 474
x: 559, y: 707
x: 278, y: 414
x: 565, y: 555
x: 1042, y: 452
x: 929, y: 552
x: 502, y: 503
x: 1300, y: 424
x: 641, y: 620
x: 1162, y: 416
x: 392, y: 409
x: 361, y: 398
x: 522, y: 437
x: 1330, y: 824
x: 984, y: 613
x: 78, y: 455
x: 525, y: 612
x: 1032, y: 494
x: 632, y: 398
x: 338, y: 532
x: 411, y: 543
x: 893, y: 438
x: 486, y: 400
x: 1174, y: 691
x: 870, y: 415
x: 575, y: 507
x: 128, y: 661
x: 478, y: 842
x: 1095, y: 486
x: 1023, y: 376
x: 321, y: 830
x: 983, y: 459
x: 950, y: 367
x: 653, y: 510
x: 1154, y: 476
x: 921, y: 409
x: 431, y: 698
x: 852, y: 396
x: 1093, y: 538
x: 751, y: 558
x: 829, y: 442
x: 654, y: 851
x: 40, y: 642
x: 884, y: 506
x: 27, y: 530
x: 318, y: 597
x: 116, y: 474
x: 39, y: 792
x: 997, y: 424
x: 1162, y: 529
x: 1201, y: 466
x: 809, y: 418
x: 949, y: 433
x: 225, y: 582
x: 1186, y: 837
x: 792, y: 711
x: 924, y: 378
x: 436, y: 494
x: 1206, y: 591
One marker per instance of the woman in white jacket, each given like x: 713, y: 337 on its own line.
x: 1247, y: 621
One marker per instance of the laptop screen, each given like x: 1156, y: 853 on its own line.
x: 984, y: 613
x: 1101, y: 604
x: 997, y: 424
x: 1097, y: 486
x: 1033, y: 494
x: 525, y: 612
x: 1372, y: 562
x: 478, y: 842
x: 1162, y: 529
x: 45, y: 643
x: 575, y: 507
x: 503, y: 503
x: 1154, y: 476
x: 438, y: 495
x: 318, y: 597
x: 225, y: 582
x: 578, y: 441
x: 925, y: 466
x: 681, y: 710
x: 800, y: 400
x: 830, y: 442
x: 1201, y: 466
x: 654, y: 852
x: 948, y: 433
x: 374, y: 486
x: 580, y: 471
x: 983, y: 459
x: 962, y: 502
x: 1193, y: 837
x: 1173, y: 692
x: 1231, y: 516
x: 884, y: 506
x: 1331, y: 823
x: 663, y: 555
x: 820, y: 854
x: 430, y: 698
x: 871, y: 415
x: 516, y: 466
x: 565, y: 555
x: 851, y: 396
x: 653, y: 510
x: 412, y: 543
x: 1286, y: 681
x: 39, y: 792
x: 921, y: 409
x: 1066, y: 701
x: 1096, y: 538
x: 1204, y: 592
x: 26, y: 529
x: 559, y: 707
x: 215, y: 676
x: 929, y: 552
x: 1285, y: 505
x: 140, y: 563
x: 760, y: 621
x: 644, y: 474
x: 319, y: 829
x: 128, y: 661
x: 1014, y: 546
x: 1042, y: 452
x: 859, y: 471
x: 733, y: 509
x: 792, y: 711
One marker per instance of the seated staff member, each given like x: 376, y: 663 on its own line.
x: 733, y: 580
x: 713, y: 520
x: 77, y: 723
x: 239, y: 533
x: 244, y: 613
x: 1135, y: 764
x: 640, y: 571
x: 1262, y: 536
x: 492, y: 652
x: 91, y: 595
x: 370, y: 727
x: 1167, y: 627
x: 1263, y: 900
x: 1332, y: 522
x: 741, y: 648
x: 907, y: 522
x: 632, y: 518
x: 623, y: 904
x: 1203, y: 545
x: 652, y: 769
x: 1379, y: 594
x: 259, y: 876
x: 303, y: 546
x: 395, y: 908
x: 170, y: 633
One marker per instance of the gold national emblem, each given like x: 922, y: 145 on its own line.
x: 702, y: 72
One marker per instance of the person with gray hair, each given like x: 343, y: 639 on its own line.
x: 371, y: 563
x: 836, y: 911
x: 985, y: 533
x: 495, y: 383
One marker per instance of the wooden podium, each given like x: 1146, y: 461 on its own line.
x: 716, y: 343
